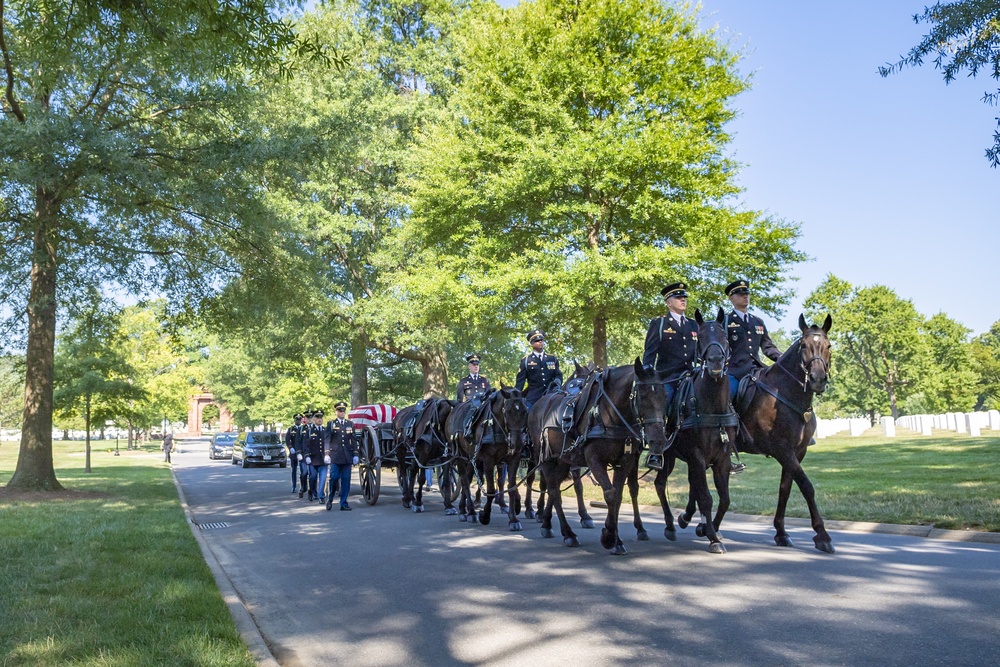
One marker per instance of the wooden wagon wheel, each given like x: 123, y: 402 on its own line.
x: 370, y: 464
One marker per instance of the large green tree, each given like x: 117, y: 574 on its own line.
x: 122, y: 160
x: 880, y: 354
x: 964, y: 36
x: 582, y: 166
x: 985, y: 350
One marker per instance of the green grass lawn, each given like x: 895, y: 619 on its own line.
x: 946, y: 480
x: 107, y: 573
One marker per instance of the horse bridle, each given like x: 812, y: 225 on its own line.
x: 704, y: 351
x: 502, y: 419
x: 805, y: 364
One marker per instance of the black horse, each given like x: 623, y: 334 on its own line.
x: 776, y: 409
x: 706, y: 430
x: 619, y: 410
x: 417, y: 432
x: 555, y: 402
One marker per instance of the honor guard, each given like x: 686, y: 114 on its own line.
x: 341, y: 454
x: 537, y: 369
x: 314, y: 456
x: 473, y: 383
x: 301, y: 438
x: 290, y: 445
x: 747, y: 338
x: 671, y: 345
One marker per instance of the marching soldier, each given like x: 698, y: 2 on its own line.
x: 301, y: 440
x: 473, y: 383
x: 314, y: 455
x: 290, y: 444
x: 671, y: 346
x: 537, y: 369
x: 747, y: 338
x: 341, y: 453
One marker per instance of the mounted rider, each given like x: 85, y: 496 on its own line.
x: 473, y: 383
x: 747, y: 339
x: 537, y: 369
x: 671, y: 346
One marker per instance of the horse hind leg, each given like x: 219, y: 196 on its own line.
x: 699, y: 488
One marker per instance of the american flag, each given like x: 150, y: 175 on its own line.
x: 372, y: 415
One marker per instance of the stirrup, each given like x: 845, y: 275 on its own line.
x: 654, y: 462
x: 738, y: 467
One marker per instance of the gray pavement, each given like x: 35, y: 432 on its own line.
x: 383, y: 586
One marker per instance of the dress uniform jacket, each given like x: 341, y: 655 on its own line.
x: 470, y: 386
x: 340, y: 442
x: 671, y: 348
x: 299, y: 440
x: 746, y: 339
x: 313, y: 443
x: 290, y: 440
x: 537, y: 373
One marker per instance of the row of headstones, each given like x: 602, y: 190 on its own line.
x: 972, y: 423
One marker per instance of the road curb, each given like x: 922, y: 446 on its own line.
x: 929, y: 532
x: 237, y: 609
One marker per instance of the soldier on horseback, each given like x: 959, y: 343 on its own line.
x: 537, y: 370
x: 671, y: 344
x: 473, y: 383
x: 747, y: 338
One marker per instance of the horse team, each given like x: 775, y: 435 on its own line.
x: 603, y: 419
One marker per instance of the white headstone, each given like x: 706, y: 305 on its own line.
x: 972, y: 422
x: 888, y: 427
x: 925, y: 425
x: 994, y: 420
x: 960, y: 420
x: 859, y: 425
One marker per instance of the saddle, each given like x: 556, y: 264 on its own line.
x: 746, y: 390
x: 472, y: 415
x: 411, y: 421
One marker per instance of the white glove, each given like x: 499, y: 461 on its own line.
x: 309, y: 461
x: 326, y: 459
x: 292, y: 451
x: 300, y: 457
x: 355, y: 460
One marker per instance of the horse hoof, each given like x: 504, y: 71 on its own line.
x: 463, y: 518
x: 682, y: 522
x: 417, y: 509
x: 484, y: 518
x: 407, y: 504
x: 783, y: 540
x: 642, y: 536
x: 515, y: 526
x: 451, y: 511
x: 716, y: 548
x: 670, y: 534
x: 619, y: 550
x: 547, y: 532
x: 607, y: 539
x: 587, y: 523
x: 473, y: 519
x: 571, y: 542
x: 700, y: 530
x: 825, y: 546
x: 529, y: 514
x: 538, y: 518
x: 504, y: 509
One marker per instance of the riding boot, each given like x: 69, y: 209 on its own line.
x: 734, y: 456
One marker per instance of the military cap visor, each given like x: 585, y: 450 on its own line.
x: 472, y: 358
x: 318, y: 413
x: 537, y: 334
x: 738, y: 287
x: 675, y: 290
x: 340, y: 405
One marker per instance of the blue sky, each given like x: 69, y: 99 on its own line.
x: 887, y: 177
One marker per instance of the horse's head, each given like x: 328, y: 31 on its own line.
x: 649, y: 403
x: 814, y: 347
x: 510, y: 407
x: 713, y: 344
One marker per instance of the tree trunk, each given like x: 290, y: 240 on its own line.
x: 86, y: 419
x: 600, y: 341
x: 34, y: 462
x: 891, y: 389
x: 359, y: 372
x: 129, y: 445
x: 435, y: 372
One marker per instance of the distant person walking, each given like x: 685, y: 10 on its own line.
x: 167, y: 446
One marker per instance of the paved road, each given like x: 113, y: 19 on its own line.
x: 383, y: 586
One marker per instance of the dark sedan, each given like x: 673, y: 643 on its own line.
x: 222, y: 446
x: 259, y: 448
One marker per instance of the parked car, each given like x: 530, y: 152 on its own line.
x: 259, y: 448
x: 222, y: 446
